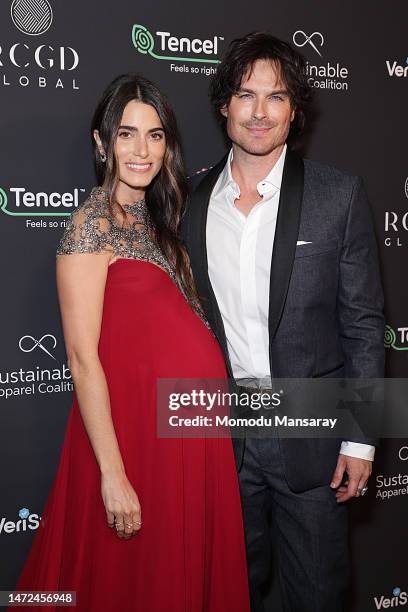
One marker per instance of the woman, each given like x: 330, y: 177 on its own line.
x: 135, y: 522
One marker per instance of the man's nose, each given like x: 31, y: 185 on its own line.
x: 259, y: 110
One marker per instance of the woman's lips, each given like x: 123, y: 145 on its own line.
x: 139, y: 168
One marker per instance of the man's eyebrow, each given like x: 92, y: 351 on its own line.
x: 272, y: 93
x: 132, y: 128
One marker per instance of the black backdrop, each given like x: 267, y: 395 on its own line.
x: 55, y: 59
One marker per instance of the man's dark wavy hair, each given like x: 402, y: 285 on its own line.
x: 240, y: 58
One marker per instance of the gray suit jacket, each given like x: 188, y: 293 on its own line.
x: 326, y: 300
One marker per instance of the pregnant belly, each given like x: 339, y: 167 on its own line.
x: 146, y: 320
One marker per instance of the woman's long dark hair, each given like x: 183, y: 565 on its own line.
x: 166, y: 194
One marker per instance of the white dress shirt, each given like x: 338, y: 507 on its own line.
x: 239, y: 252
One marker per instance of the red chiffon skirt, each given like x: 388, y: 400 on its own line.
x: 189, y: 555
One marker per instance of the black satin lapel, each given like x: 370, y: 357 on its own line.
x: 196, y: 230
x: 197, y: 246
x: 286, y: 236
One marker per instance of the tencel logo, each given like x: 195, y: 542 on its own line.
x: 20, y: 202
x: 395, y: 69
x: 32, y: 17
x: 26, y: 521
x: 165, y: 46
x: 396, y: 340
x: 399, y: 598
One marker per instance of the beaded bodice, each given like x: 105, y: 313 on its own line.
x: 92, y: 228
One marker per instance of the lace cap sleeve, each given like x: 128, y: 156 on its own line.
x: 88, y: 229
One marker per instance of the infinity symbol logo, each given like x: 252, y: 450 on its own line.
x: 305, y: 39
x: 37, y: 343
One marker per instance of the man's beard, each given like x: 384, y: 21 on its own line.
x: 259, y: 148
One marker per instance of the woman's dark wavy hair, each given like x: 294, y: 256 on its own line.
x: 239, y: 60
x: 166, y: 194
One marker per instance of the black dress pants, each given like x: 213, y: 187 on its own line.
x: 308, y: 530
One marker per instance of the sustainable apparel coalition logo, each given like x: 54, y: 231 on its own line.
x: 36, y: 343
x: 190, y: 49
x: 38, y: 379
x: 300, y: 38
x: 326, y: 75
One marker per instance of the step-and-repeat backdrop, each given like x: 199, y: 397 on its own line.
x: 55, y: 60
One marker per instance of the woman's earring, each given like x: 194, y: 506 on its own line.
x: 103, y: 157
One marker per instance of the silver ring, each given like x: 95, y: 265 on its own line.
x: 362, y: 491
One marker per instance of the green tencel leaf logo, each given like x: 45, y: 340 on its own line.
x: 391, y: 341
x: 144, y: 42
x: 3, y: 200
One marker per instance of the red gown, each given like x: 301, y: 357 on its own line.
x: 189, y: 555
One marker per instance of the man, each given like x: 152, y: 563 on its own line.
x: 284, y: 257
